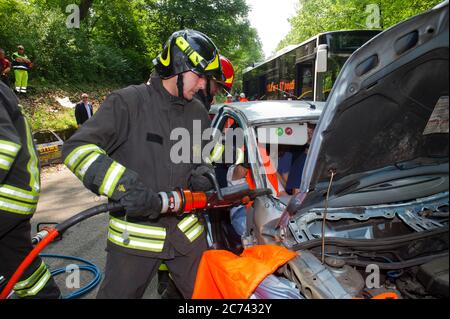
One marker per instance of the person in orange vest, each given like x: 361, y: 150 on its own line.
x: 243, y: 98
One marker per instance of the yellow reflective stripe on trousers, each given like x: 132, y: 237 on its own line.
x: 112, y: 177
x: 17, y: 207
x: 30, y: 281
x: 6, y: 162
x: 136, y: 243
x: 78, y: 154
x: 34, y: 284
x: 9, y: 148
x: 85, y: 164
x: 138, y: 230
x: 19, y: 194
x: 33, y: 163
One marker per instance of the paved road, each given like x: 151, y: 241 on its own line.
x: 63, y: 196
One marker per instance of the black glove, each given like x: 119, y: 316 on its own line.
x: 141, y: 202
x: 198, y: 182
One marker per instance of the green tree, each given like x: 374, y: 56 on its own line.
x: 315, y: 16
x: 224, y: 21
x: 117, y: 40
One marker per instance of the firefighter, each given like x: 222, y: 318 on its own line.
x: 19, y: 193
x: 214, y: 85
x: 124, y: 153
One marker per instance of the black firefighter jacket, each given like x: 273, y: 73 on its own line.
x: 133, y: 127
x: 19, y: 164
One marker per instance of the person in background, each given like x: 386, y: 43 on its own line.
x: 83, y: 110
x: 237, y: 176
x: 284, y: 166
x: 298, y: 164
x: 229, y: 99
x: 21, y: 65
x: 242, y: 97
x: 5, y: 68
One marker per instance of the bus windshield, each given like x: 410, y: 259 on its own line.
x: 348, y: 42
x: 341, y: 46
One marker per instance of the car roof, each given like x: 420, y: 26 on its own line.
x: 260, y: 112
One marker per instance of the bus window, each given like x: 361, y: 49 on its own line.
x: 325, y: 81
x: 267, y: 80
x: 305, y: 80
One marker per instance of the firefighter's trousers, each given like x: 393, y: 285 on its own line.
x: 128, y: 276
x: 15, y: 245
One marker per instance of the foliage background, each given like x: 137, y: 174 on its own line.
x: 118, y: 39
x: 316, y: 16
x: 114, y: 46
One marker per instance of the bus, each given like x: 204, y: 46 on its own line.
x: 306, y: 71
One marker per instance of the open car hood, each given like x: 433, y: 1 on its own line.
x: 388, y: 106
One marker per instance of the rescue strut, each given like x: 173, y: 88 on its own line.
x: 176, y: 202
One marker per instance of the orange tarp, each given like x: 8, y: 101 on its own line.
x: 224, y: 275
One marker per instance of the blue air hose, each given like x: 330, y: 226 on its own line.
x: 87, y: 266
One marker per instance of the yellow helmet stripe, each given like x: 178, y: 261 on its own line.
x: 214, y: 65
x: 182, y: 44
x: 193, y: 55
x: 230, y: 80
x: 166, y: 61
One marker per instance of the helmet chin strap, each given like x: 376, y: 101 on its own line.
x: 180, y: 85
x: 208, y: 91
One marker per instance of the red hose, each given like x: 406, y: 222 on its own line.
x: 53, y: 233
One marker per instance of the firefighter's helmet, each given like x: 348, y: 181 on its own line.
x: 189, y: 50
x: 228, y: 73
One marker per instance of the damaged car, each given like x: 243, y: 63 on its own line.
x: 371, y: 215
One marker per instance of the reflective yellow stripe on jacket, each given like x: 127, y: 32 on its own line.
x: 83, y: 157
x: 191, y: 227
x: 8, y: 153
x: 33, y: 163
x: 14, y: 199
